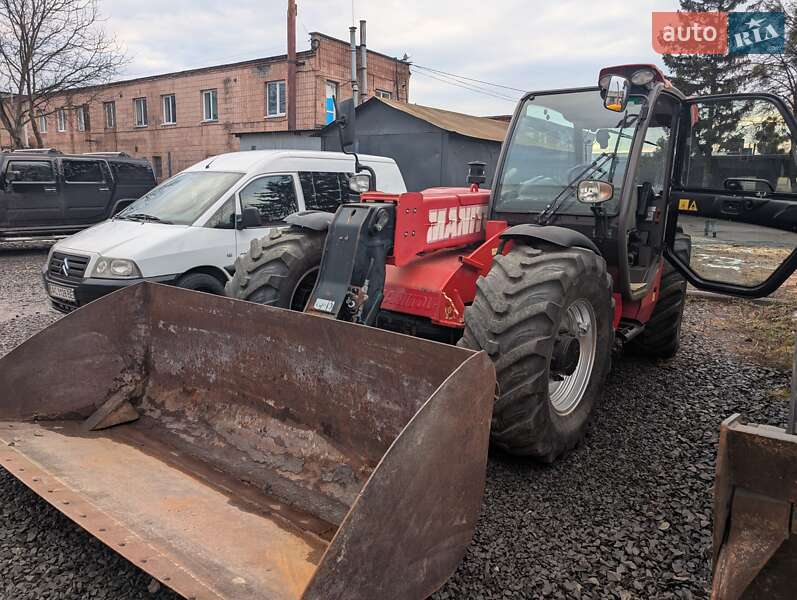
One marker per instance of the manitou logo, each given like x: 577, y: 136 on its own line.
x: 454, y: 222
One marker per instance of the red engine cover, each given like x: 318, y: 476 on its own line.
x: 434, y: 219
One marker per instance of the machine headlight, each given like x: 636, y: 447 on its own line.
x: 360, y: 183
x: 115, y: 268
x: 643, y: 77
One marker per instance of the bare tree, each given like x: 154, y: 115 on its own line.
x: 49, y: 48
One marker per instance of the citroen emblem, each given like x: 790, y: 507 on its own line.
x: 65, y: 267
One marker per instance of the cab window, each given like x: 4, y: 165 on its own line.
x: 274, y: 196
x: 739, y: 145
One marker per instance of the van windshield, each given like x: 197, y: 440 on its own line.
x: 182, y: 199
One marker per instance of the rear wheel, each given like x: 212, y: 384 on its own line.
x: 661, y: 337
x: 279, y: 269
x: 544, y: 315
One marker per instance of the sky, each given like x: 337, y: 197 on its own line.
x: 523, y: 44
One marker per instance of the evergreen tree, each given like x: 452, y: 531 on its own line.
x: 702, y: 74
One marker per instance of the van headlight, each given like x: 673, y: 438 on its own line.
x: 115, y: 268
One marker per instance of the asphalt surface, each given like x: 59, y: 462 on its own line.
x: 626, y: 515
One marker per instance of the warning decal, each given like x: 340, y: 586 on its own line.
x: 687, y: 205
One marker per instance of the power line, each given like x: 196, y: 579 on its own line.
x: 506, y: 87
x: 468, y: 87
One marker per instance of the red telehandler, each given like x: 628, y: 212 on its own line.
x: 235, y: 450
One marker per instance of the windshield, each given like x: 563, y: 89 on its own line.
x: 182, y: 199
x: 553, y: 147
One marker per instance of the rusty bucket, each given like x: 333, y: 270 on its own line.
x: 237, y: 451
x: 755, y: 525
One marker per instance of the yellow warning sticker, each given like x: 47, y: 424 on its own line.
x: 688, y: 205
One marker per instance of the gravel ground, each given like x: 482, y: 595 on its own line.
x: 626, y: 515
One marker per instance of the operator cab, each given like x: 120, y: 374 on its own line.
x: 571, y: 155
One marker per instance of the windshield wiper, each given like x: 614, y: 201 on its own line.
x: 144, y: 217
x: 549, y: 211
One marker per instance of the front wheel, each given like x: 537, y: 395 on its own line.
x: 544, y: 315
x: 280, y: 269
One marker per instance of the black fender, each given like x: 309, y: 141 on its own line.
x: 317, y: 220
x: 551, y: 234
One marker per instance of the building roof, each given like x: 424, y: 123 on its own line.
x: 476, y: 127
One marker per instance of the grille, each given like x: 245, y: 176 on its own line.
x: 76, y: 266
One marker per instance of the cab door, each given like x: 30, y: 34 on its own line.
x: 734, y: 191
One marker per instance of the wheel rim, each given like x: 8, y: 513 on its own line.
x: 303, y: 289
x: 566, y: 393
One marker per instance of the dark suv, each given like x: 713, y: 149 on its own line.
x: 44, y: 193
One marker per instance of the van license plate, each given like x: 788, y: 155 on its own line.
x: 61, y: 292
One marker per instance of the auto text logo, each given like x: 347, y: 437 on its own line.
x: 719, y: 33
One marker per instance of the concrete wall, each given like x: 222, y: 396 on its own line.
x: 280, y: 140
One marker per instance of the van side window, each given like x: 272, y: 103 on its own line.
x: 32, y: 171
x: 273, y: 196
x: 224, y: 217
x: 83, y: 171
x: 325, y: 191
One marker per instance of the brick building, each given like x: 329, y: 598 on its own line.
x: 177, y: 119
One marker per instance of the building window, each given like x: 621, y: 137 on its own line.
x: 157, y: 166
x: 110, y: 114
x: 140, y: 105
x: 329, y: 102
x: 210, y: 105
x: 275, y: 98
x: 384, y: 94
x: 42, y: 122
x: 169, y: 110
x: 61, y: 118
x: 82, y: 116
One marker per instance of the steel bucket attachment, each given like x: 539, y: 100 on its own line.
x: 233, y: 450
x: 755, y: 530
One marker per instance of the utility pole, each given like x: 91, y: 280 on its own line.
x: 291, y: 91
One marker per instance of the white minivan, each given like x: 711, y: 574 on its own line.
x: 189, y: 230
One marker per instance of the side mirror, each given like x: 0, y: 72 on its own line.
x: 592, y: 191
x: 250, y: 217
x: 616, y: 97
x: 12, y: 176
x: 346, y: 122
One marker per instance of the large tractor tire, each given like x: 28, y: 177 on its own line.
x: 279, y: 269
x: 544, y: 315
x: 662, y: 335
